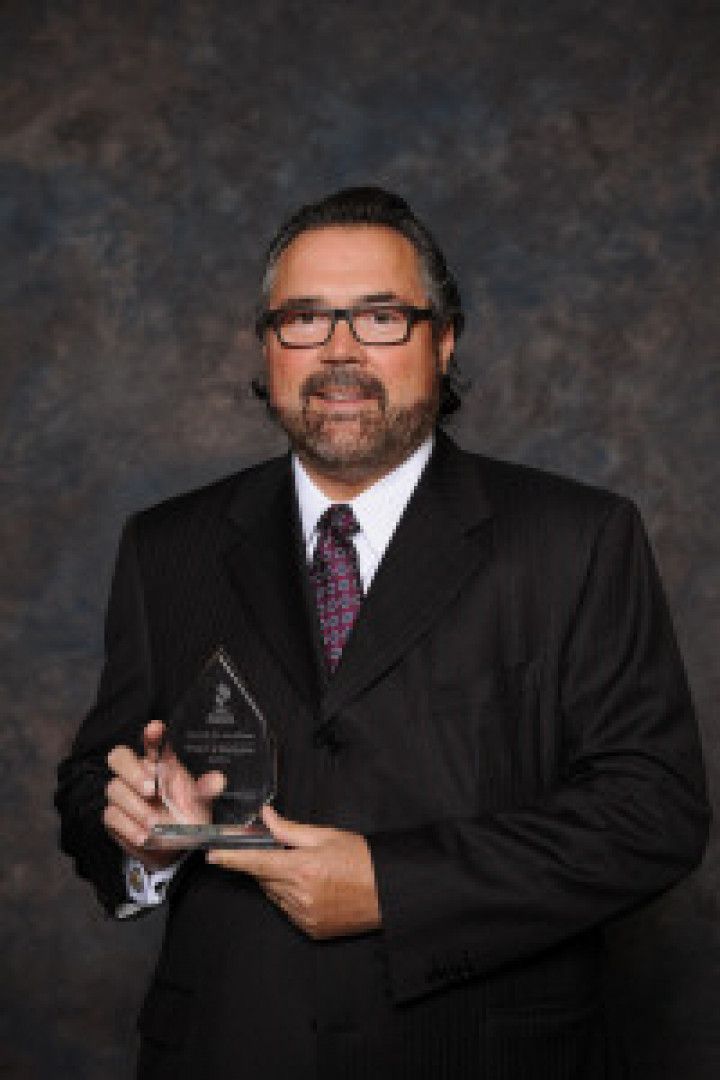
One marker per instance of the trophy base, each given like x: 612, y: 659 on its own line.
x: 184, y: 837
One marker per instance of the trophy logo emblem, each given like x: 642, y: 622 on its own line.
x: 222, y: 714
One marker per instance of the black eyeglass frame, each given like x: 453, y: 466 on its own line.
x: 271, y: 320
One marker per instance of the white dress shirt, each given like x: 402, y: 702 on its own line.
x: 377, y: 511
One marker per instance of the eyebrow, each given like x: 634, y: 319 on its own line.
x: 318, y: 301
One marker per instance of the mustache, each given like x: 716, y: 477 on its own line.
x: 343, y: 378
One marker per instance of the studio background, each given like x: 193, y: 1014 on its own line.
x: 566, y: 155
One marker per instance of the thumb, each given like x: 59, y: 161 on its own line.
x: 292, y: 833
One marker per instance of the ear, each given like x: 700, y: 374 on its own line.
x: 446, y: 346
x: 265, y: 366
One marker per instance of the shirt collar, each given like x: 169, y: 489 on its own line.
x: 378, y: 509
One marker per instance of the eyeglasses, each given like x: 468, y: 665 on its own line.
x: 310, y: 327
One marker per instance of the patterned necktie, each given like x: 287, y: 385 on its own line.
x: 335, y: 578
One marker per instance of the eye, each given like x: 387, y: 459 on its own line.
x: 300, y: 317
x: 384, y: 316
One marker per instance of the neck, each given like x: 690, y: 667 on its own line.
x: 342, y: 483
x: 345, y: 487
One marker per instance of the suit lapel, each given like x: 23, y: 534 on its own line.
x: 441, y: 541
x: 265, y: 566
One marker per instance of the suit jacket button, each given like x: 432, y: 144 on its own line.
x: 325, y: 737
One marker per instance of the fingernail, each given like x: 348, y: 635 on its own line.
x: 149, y: 787
x: 210, y: 856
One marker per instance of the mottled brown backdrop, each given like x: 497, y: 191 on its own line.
x: 566, y: 154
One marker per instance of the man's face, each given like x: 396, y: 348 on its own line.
x: 354, y: 411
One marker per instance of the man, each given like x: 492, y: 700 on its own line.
x: 490, y: 758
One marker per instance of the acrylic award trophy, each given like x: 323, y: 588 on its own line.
x: 216, y: 727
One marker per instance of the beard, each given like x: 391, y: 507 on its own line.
x: 352, y: 445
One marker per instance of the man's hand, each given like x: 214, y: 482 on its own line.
x: 133, y: 807
x: 323, y: 880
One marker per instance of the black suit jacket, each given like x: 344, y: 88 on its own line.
x: 509, y: 726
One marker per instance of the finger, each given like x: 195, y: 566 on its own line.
x: 129, y: 834
x: 181, y: 787
x: 296, y: 906
x: 210, y: 785
x: 152, y: 738
x: 293, y: 834
x: 286, y: 902
x: 265, y: 866
x: 136, y: 808
x: 137, y: 774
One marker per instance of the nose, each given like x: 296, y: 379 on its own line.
x: 343, y: 347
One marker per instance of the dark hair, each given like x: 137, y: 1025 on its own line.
x: 375, y: 206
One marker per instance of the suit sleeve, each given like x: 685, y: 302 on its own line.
x: 626, y: 818
x: 122, y: 708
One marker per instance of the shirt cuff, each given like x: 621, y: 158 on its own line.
x: 147, y: 888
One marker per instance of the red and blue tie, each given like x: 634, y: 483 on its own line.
x: 335, y: 578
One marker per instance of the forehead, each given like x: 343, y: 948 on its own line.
x: 346, y: 262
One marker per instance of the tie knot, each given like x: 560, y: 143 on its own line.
x: 340, y: 520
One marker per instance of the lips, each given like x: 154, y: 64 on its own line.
x: 344, y: 395
x: 341, y: 404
